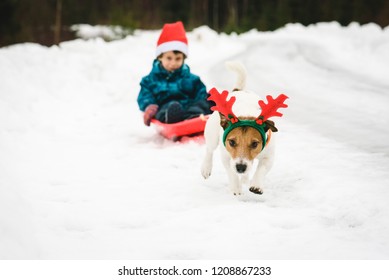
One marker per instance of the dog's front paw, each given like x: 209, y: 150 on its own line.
x: 256, y: 190
x: 206, y: 170
x: 236, y: 189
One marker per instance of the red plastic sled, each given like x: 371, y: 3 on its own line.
x: 181, y: 130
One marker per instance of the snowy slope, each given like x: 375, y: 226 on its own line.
x: 81, y: 177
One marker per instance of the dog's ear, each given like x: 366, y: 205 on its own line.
x: 270, y: 125
x: 223, y: 121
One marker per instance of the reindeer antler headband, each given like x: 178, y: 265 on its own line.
x: 268, y: 110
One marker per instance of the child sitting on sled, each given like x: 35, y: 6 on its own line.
x: 171, y: 93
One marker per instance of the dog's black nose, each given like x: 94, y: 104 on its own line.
x: 241, y: 168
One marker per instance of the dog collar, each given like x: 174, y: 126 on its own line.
x: 251, y: 123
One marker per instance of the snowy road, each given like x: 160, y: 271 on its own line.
x: 81, y: 177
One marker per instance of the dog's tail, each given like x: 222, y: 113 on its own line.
x: 240, y: 70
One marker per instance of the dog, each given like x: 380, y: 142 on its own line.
x: 240, y: 123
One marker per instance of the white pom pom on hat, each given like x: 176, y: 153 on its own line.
x: 172, y: 38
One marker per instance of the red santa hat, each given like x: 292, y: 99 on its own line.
x: 172, y: 38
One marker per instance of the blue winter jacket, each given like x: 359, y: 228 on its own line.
x: 161, y: 87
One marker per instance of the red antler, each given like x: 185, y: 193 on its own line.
x: 270, y: 109
x: 222, y: 105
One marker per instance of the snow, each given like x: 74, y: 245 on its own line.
x: 108, y: 33
x: 81, y: 177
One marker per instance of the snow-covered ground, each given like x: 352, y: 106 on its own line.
x: 81, y: 177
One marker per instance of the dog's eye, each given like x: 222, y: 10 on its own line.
x: 232, y: 143
x: 254, y: 145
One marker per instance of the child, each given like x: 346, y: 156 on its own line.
x: 170, y: 93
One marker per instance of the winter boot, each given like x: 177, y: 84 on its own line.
x: 174, y: 113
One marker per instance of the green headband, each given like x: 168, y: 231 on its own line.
x: 251, y: 123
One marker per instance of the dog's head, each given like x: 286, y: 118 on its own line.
x: 245, y: 137
x: 244, y: 143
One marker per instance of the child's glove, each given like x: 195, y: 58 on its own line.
x: 150, y: 112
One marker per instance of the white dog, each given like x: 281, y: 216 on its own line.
x: 240, y: 121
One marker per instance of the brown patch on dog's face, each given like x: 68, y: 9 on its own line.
x: 244, y: 143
